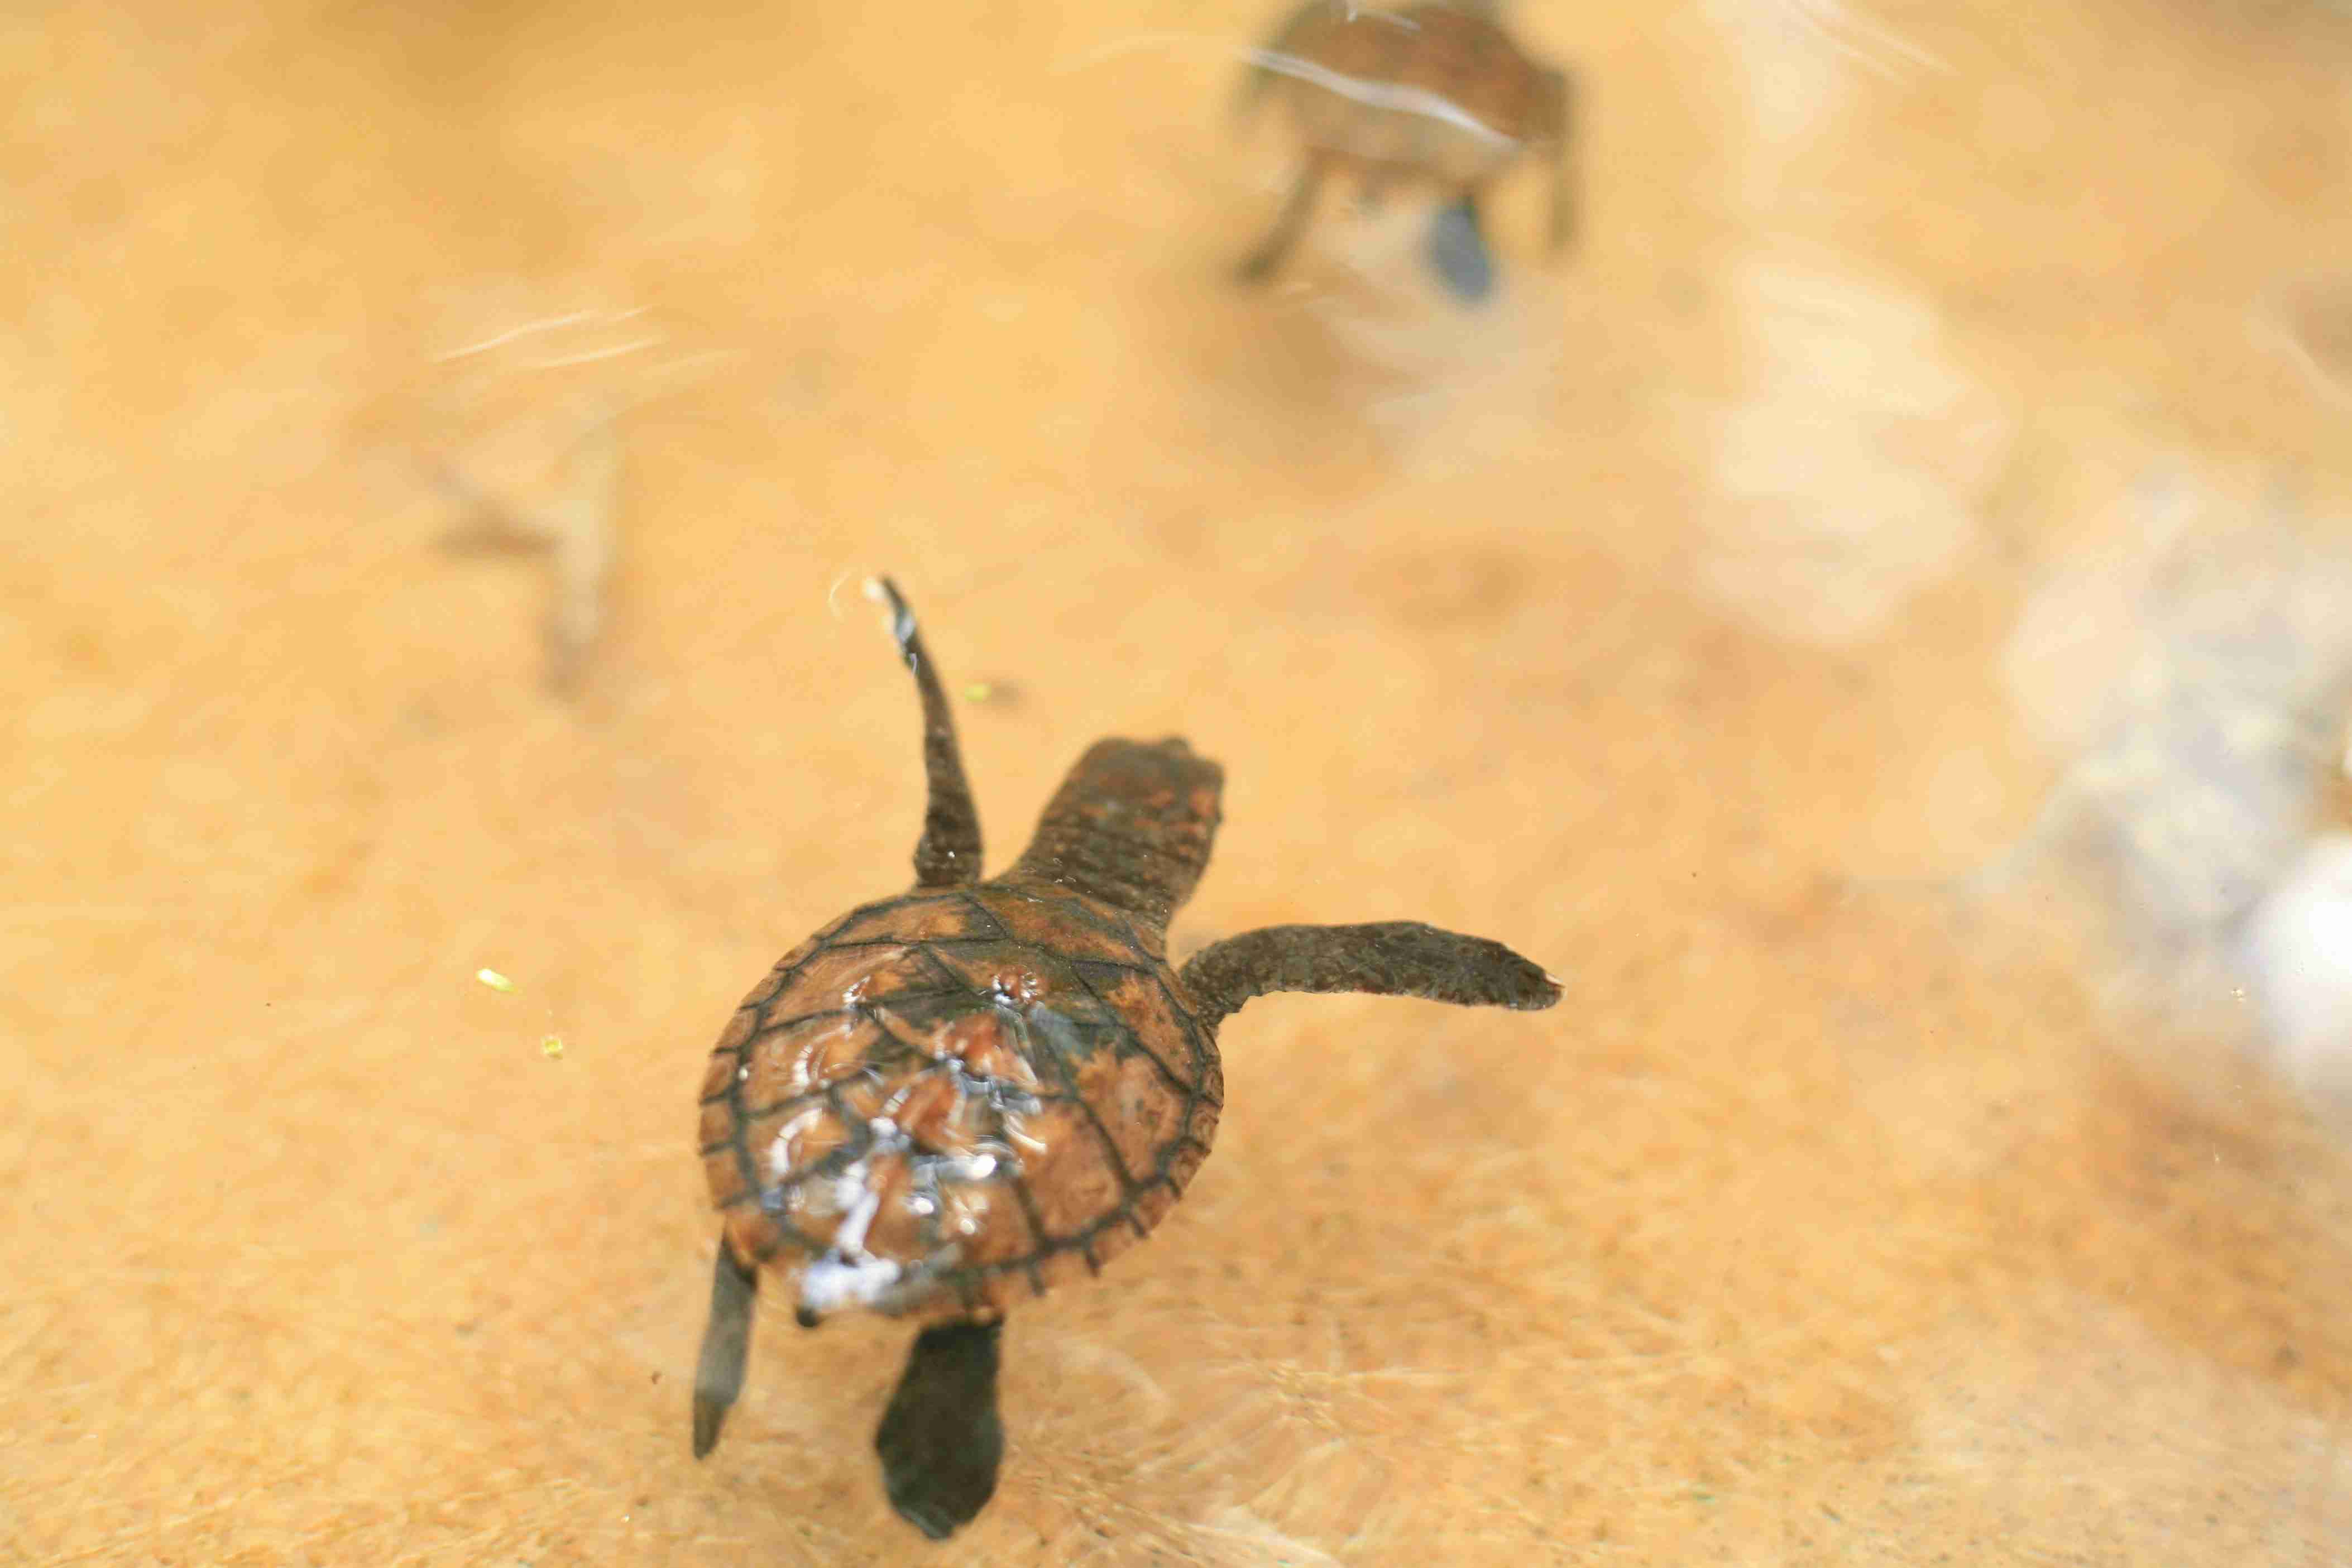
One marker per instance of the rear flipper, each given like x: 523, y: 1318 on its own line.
x: 940, y: 1439
x: 1456, y: 251
x: 1388, y: 958
x: 726, y: 1346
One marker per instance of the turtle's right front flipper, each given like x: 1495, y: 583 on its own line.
x: 940, y: 1439
x: 1386, y: 958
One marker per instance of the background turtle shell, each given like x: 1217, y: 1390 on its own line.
x: 1434, y: 56
x: 942, y: 1102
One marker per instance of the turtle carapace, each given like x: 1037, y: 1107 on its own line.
x: 946, y: 1101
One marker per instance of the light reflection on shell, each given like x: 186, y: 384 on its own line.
x: 944, y: 1102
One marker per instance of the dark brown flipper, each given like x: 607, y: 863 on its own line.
x: 1296, y: 208
x: 1132, y: 825
x: 940, y: 1439
x: 726, y: 1346
x: 1390, y: 959
x: 948, y: 854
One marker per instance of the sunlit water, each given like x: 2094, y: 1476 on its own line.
x: 1872, y: 616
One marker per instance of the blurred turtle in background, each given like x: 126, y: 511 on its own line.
x: 1430, y: 94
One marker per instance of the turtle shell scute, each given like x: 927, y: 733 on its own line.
x: 1369, y: 74
x: 967, y: 1094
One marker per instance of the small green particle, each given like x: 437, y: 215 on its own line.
x: 980, y: 691
x: 552, y: 1047
x: 494, y: 980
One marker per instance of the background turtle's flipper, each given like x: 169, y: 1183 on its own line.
x: 1457, y: 253
x: 948, y: 854
x: 1132, y: 825
x: 1563, y: 158
x: 1388, y: 958
x: 940, y: 1439
x: 1261, y: 263
x: 725, y: 1345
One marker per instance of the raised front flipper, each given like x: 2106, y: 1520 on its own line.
x: 940, y: 1439
x: 1387, y: 958
x: 948, y: 854
x: 725, y: 1345
x: 1132, y: 826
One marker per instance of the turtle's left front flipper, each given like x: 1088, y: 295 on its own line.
x: 948, y: 854
x: 940, y: 1439
x: 1387, y: 958
x: 726, y: 1346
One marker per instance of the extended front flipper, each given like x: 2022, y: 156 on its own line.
x: 940, y: 1439
x: 1388, y: 958
x: 726, y: 1346
x: 948, y: 854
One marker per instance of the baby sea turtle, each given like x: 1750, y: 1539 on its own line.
x: 944, y: 1102
x: 1435, y: 94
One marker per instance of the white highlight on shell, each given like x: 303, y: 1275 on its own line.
x: 848, y: 1275
x: 964, y: 1168
x: 779, y: 1151
x: 1383, y: 94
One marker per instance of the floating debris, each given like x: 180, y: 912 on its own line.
x: 552, y: 1047
x: 494, y: 980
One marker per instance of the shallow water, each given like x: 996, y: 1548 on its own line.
x: 1870, y: 618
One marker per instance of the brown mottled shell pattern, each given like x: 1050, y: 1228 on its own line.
x: 1438, y: 66
x: 944, y: 1101
x: 981, y: 1088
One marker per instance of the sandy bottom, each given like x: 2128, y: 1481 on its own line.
x: 1871, y: 618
